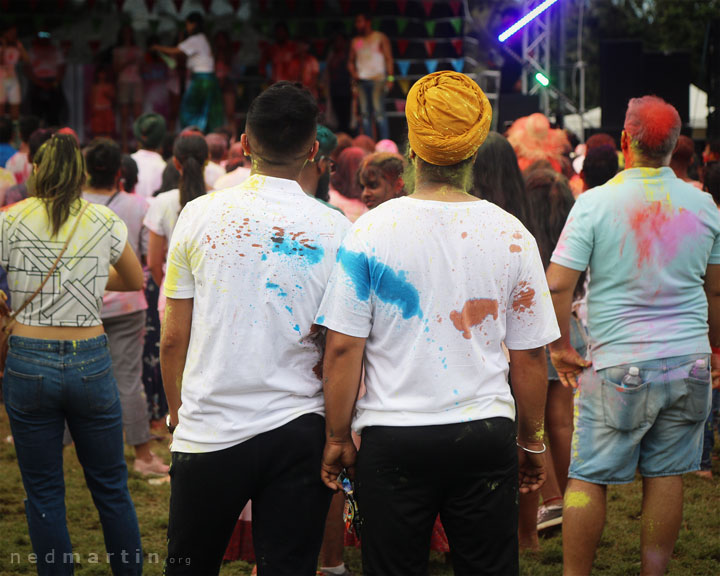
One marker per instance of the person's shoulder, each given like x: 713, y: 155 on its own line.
x: 167, y: 197
x: 135, y: 201
x: 501, y: 218
x: 101, y: 213
x: 11, y: 211
x: 329, y: 213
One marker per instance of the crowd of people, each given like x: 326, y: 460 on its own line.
x: 195, y: 82
x: 458, y: 346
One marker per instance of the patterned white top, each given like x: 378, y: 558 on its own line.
x: 73, y: 296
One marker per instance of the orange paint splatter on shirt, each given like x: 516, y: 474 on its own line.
x: 524, y: 299
x: 464, y: 234
x: 473, y: 313
x: 517, y: 235
x: 515, y: 248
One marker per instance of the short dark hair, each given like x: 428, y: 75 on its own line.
x: 197, y: 19
x: 600, y: 165
x: 712, y: 181
x: 129, y: 172
x: 37, y: 139
x: 103, y: 159
x: 283, y: 122
x: 6, y: 129
x: 27, y: 125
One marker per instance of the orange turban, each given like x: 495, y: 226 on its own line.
x: 448, y: 118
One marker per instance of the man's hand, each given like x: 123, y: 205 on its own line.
x: 569, y: 365
x: 336, y: 456
x: 715, y: 363
x: 531, y: 471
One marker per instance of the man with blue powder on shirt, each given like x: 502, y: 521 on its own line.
x: 241, y: 358
x: 652, y: 246
x: 426, y: 290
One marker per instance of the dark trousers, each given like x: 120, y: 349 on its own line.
x: 465, y: 472
x: 280, y: 471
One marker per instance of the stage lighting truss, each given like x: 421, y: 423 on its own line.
x: 535, y: 27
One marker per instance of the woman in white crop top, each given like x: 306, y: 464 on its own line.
x: 58, y: 367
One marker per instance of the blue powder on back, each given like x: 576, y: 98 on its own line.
x: 284, y: 243
x: 388, y: 285
x: 272, y: 286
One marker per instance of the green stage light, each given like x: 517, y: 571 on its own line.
x: 542, y: 79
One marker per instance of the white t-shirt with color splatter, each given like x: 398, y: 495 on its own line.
x: 256, y: 259
x: 436, y: 288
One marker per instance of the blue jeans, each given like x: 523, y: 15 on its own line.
x: 47, y: 382
x: 371, y: 97
x: 656, y: 425
x: 710, y: 424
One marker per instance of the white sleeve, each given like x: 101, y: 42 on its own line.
x: 530, y: 316
x: 153, y: 220
x: 189, y: 46
x: 179, y: 279
x: 347, y: 304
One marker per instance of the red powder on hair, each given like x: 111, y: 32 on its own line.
x: 650, y: 122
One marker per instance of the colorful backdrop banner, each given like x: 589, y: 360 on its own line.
x: 403, y: 66
x: 458, y: 64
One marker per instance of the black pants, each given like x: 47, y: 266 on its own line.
x: 466, y: 472
x: 280, y: 471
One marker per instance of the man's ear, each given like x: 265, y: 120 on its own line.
x: 314, y: 150
x: 399, y: 184
x: 245, y: 143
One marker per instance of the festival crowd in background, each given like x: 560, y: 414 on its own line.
x: 359, y: 346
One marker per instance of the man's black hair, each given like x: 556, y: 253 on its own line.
x: 282, y: 122
x: 103, y: 159
x: 600, y: 165
x: 6, y: 129
x: 27, y: 125
x: 197, y: 19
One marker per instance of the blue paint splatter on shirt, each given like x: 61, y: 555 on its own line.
x: 320, y: 320
x: 369, y: 275
x: 288, y: 309
x: 272, y: 286
x: 296, y: 328
x: 295, y: 244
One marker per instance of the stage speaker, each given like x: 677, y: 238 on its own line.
x: 621, y: 78
x: 514, y: 106
x: 667, y: 75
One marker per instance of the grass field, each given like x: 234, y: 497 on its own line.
x: 697, y: 552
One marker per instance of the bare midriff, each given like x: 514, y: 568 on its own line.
x: 57, y: 332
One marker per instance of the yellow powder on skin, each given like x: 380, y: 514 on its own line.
x: 576, y: 500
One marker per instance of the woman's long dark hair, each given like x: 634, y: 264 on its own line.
x: 58, y: 177
x: 549, y: 200
x: 191, y: 151
x: 497, y: 177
